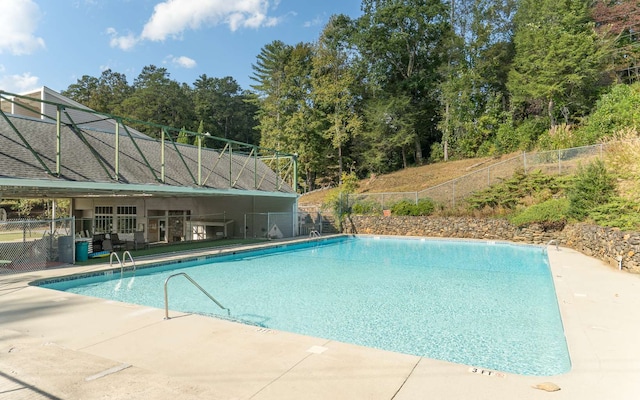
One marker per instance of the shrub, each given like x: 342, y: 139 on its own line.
x: 617, y: 110
x: 407, y: 208
x: 403, y: 207
x: 366, y: 208
x: 513, y: 191
x: 550, y: 213
x: 523, y: 136
x: 425, y: 207
x: 436, y: 153
x: 593, y: 186
x: 558, y: 137
x: 617, y: 213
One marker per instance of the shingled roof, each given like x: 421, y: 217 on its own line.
x: 88, y: 164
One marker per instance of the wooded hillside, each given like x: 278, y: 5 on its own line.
x: 408, y: 82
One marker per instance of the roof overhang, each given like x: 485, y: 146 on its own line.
x: 13, y: 188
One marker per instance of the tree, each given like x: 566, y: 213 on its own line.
x: 158, y: 99
x: 558, y: 60
x: 269, y: 75
x: 287, y: 119
x: 102, y: 94
x: 617, y: 21
x: 223, y: 108
x: 473, y: 94
x: 401, y: 44
x: 389, y: 133
x: 333, y: 80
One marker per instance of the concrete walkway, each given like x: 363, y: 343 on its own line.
x: 56, y: 345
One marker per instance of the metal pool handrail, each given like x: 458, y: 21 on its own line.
x: 124, y: 260
x: 166, y: 296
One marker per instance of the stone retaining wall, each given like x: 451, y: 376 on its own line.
x: 604, y: 243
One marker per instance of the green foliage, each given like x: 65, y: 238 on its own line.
x: 558, y: 137
x: 617, y: 213
x: 552, y: 212
x: 617, y: 110
x: 593, y: 186
x: 437, y: 152
x: 349, y: 182
x: 40, y: 208
x: 366, y: 208
x: 337, y: 201
x: 407, y: 208
x: 511, y: 192
x: 559, y: 59
x: 523, y: 135
x: 183, y: 137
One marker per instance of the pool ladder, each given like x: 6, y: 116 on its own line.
x: 122, y: 262
x: 166, y: 295
x: 314, y: 233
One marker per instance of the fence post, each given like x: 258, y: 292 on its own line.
x: 416, y: 198
x: 453, y: 194
x: 601, y: 149
x: 559, y: 163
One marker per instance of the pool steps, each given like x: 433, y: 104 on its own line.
x: 122, y: 262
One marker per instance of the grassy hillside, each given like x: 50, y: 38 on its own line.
x: 412, y: 179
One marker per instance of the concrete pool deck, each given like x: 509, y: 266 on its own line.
x: 56, y: 345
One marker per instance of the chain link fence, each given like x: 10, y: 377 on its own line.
x: 30, y: 245
x: 453, y: 192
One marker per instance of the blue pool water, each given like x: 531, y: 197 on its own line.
x: 489, y: 305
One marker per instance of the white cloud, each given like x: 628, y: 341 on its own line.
x: 183, y: 61
x: 172, y: 17
x: 19, y: 20
x: 19, y: 83
x: 123, y: 42
x: 317, y: 21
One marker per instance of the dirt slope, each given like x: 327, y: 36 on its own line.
x: 412, y: 179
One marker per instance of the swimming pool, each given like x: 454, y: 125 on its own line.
x: 483, y: 304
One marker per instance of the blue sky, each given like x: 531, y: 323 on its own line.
x: 55, y: 42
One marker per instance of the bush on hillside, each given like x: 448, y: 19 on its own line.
x: 616, y: 110
x: 512, y: 192
x: 366, y: 208
x: 617, y: 213
x: 511, y: 137
x: 593, y: 186
x: 406, y: 208
x: 552, y: 213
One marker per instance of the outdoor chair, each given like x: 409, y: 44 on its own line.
x: 97, y: 242
x: 107, y: 245
x: 116, y: 242
x: 139, y: 241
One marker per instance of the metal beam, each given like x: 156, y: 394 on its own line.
x: 74, y: 128
x: 26, y: 143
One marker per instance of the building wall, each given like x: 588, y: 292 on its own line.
x: 161, y: 218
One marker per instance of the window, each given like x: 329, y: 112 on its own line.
x: 126, y: 216
x: 103, y: 219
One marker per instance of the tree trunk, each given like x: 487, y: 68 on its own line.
x: 418, y: 152
x: 551, y: 118
x: 340, y: 165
